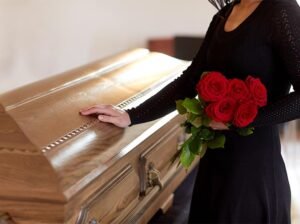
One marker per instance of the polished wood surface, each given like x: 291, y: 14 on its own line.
x: 59, y: 167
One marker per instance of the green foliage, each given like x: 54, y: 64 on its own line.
x: 195, y: 145
x: 245, y: 131
x: 190, y: 117
x: 193, y: 106
x: 205, y: 121
x: 197, y: 122
x: 217, y: 142
x: 201, y: 136
x: 186, y: 156
x: 206, y: 134
x: 181, y: 109
x: 203, y: 150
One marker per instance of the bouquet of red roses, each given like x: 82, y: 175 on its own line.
x: 233, y: 102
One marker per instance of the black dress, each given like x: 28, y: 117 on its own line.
x: 247, y: 181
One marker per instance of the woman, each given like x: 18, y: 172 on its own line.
x: 247, y: 181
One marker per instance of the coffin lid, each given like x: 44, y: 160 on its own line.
x: 44, y: 140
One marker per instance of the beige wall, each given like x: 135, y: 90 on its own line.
x: 40, y: 38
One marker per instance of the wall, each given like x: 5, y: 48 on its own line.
x: 40, y: 38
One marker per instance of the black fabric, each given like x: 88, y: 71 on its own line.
x: 246, y: 182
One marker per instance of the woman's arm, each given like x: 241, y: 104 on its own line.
x: 286, y: 43
x: 164, y: 101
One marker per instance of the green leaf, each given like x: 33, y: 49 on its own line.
x: 206, y: 134
x: 245, y: 131
x: 202, y: 103
x: 191, y: 117
x: 206, y: 120
x: 194, y: 119
x: 203, y: 150
x: 181, y: 109
x: 195, y: 131
x: 217, y: 142
x: 197, y: 122
x: 186, y: 156
x: 192, y: 106
x: 195, y: 145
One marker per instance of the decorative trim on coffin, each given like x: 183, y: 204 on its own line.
x: 121, y: 105
x: 81, y: 129
x: 18, y: 150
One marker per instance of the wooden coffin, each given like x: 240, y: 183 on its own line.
x: 59, y: 167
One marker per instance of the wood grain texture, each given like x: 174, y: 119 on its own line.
x: 11, y: 136
x: 22, y: 166
x: 59, y: 167
x: 167, y: 204
x: 111, y: 86
x: 101, y: 206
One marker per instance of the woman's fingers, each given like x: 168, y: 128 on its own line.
x: 109, y: 119
x: 101, y: 109
x: 109, y: 114
x: 121, y: 121
x: 90, y: 111
x: 90, y: 107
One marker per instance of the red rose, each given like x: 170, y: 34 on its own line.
x: 212, y: 87
x: 245, y: 114
x: 258, y: 91
x: 221, y: 111
x: 209, y: 110
x: 238, y: 90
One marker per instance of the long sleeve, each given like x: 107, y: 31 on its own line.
x: 163, y: 102
x: 286, y: 44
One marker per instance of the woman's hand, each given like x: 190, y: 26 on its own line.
x: 108, y: 114
x: 218, y: 125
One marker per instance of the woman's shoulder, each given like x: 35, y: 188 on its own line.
x: 280, y: 12
x: 287, y: 8
x: 277, y: 6
x: 283, y: 17
x: 282, y: 2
